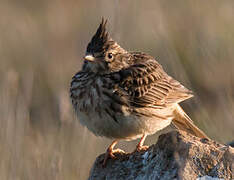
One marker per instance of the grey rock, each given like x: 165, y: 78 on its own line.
x: 209, y: 178
x: 176, y: 155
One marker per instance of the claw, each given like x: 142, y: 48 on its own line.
x: 140, y: 146
x: 110, y: 153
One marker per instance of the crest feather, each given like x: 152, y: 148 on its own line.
x: 100, y: 39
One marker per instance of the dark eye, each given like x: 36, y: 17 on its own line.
x: 110, y: 55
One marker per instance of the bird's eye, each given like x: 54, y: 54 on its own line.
x: 110, y: 56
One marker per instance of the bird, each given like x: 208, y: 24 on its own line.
x: 126, y: 95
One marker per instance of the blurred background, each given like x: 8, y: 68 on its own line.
x: 41, y: 47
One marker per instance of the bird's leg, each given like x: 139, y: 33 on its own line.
x: 140, y: 146
x: 110, y: 152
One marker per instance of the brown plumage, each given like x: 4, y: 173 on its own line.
x: 126, y: 95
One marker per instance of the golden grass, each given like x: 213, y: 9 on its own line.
x: 41, y: 47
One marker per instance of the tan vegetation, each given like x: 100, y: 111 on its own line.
x: 42, y: 44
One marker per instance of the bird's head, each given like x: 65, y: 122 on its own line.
x: 104, y: 55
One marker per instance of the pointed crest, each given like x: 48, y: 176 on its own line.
x: 100, y: 38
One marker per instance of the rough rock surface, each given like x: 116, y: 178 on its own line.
x: 176, y: 155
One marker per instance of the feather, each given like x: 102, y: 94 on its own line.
x: 183, y: 122
x: 154, y: 86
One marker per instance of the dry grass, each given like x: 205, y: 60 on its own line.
x: 41, y: 45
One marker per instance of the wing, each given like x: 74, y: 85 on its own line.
x: 147, y: 84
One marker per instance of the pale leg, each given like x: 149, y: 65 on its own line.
x: 110, y: 152
x: 140, y: 146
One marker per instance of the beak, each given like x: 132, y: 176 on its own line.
x: 89, y: 58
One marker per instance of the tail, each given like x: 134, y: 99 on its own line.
x: 183, y: 122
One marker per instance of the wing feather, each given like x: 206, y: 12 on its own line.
x: 148, y: 85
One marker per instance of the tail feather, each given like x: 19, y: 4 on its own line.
x: 183, y: 122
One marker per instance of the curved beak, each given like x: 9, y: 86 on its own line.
x: 89, y: 58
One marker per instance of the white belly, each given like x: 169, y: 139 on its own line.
x: 127, y: 126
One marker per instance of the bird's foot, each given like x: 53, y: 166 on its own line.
x: 141, y: 148
x: 110, y: 153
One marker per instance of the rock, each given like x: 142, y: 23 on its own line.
x: 176, y: 155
